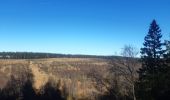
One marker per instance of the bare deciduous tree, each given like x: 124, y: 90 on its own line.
x: 120, y: 76
x: 130, y: 65
x: 127, y: 66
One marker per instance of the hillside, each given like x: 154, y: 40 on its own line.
x: 73, y: 74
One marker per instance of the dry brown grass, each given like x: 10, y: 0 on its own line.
x: 72, y: 73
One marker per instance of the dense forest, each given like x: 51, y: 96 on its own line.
x: 34, y: 55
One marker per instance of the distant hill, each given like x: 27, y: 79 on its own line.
x: 36, y: 55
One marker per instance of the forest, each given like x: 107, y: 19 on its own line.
x: 34, y: 55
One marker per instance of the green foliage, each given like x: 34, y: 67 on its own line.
x: 152, y: 51
x: 151, y: 75
x: 167, y: 49
x: 34, y: 55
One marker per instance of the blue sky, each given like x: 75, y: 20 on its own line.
x: 95, y: 27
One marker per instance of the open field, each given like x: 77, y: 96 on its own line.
x: 71, y: 73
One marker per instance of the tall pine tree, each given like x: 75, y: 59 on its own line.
x: 165, y: 90
x: 152, y: 63
x: 168, y: 49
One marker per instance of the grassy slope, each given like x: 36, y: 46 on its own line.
x: 71, y: 72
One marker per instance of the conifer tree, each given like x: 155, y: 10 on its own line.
x: 152, y: 63
x: 165, y: 77
x: 168, y: 48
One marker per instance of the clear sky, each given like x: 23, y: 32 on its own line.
x: 98, y: 27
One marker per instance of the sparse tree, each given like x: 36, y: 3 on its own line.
x: 126, y: 67
x: 129, y: 65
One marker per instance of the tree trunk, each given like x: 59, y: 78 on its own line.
x: 134, y: 97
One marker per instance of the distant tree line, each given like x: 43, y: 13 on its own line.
x: 34, y: 55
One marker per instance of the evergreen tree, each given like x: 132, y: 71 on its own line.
x: 152, y: 64
x: 165, y: 90
x: 168, y: 49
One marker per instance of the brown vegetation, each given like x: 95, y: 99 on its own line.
x: 74, y: 75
